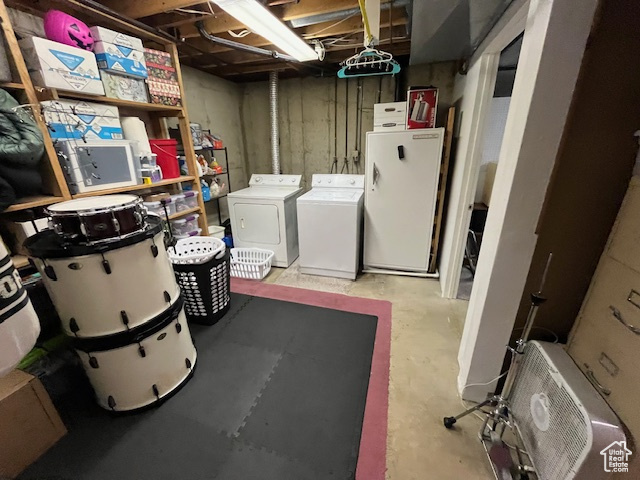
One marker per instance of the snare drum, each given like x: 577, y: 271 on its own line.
x: 132, y: 371
x: 110, y: 288
x: 98, y: 219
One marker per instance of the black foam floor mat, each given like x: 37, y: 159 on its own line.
x: 278, y: 393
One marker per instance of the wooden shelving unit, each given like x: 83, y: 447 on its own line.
x: 167, y: 110
x: 33, y: 202
x: 163, y: 183
x: 55, y: 187
x: 12, y: 85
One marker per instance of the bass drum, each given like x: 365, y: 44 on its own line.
x: 108, y: 290
x: 131, y: 372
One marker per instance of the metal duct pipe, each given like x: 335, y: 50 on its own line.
x: 273, y: 113
x: 340, y: 14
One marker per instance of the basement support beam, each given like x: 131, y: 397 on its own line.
x: 145, y: 8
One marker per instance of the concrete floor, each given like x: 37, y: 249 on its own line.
x: 425, y: 335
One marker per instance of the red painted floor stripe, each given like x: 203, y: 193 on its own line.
x: 372, y: 459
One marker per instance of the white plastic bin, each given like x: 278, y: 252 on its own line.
x: 189, y: 234
x: 185, y: 225
x: 178, y: 199
x: 190, y: 198
x: 216, y: 231
x: 252, y: 263
x: 158, y: 209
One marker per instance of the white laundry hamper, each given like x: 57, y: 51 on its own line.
x: 252, y: 263
x: 201, y: 266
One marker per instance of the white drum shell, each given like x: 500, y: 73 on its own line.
x: 95, y: 299
x: 128, y: 377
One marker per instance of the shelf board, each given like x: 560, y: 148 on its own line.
x: 184, y: 213
x: 132, y: 188
x: 14, y: 85
x: 32, y: 202
x: 20, y: 261
x: 224, y: 172
x: 168, y: 110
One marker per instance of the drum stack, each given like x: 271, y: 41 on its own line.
x: 106, y: 268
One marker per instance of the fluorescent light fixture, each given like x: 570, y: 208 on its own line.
x: 261, y: 21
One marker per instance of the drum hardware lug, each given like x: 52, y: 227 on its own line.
x: 50, y: 272
x: 75, y: 266
x: 116, y: 224
x: 167, y: 297
x: 93, y: 361
x: 111, y: 402
x: 141, y: 351
x: 73, y: 326
x: 188, y: 363
x: 154, y: 250
x: 106, y: 265
x: 178, y: 327
x: 125, y: 319
x: 156, y: 392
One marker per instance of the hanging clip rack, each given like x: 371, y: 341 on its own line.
x: 370, y: 61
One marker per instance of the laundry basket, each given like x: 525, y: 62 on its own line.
x: 201, y: 266
x: 253, y: 263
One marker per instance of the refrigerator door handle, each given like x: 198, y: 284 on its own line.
x: 376, y: 174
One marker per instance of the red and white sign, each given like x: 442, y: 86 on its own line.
x: 422, y: 104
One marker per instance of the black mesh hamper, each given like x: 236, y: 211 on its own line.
x: 204, y: 286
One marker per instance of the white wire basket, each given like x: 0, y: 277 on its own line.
x: 196, y: 250
x: 252, y: 263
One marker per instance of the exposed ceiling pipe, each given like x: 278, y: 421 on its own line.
x: 341, y: 14
x: 241, y: 46
x: 275, y: 130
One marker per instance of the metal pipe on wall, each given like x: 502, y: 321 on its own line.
x: 273, y: 113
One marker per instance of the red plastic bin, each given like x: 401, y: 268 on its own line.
x: 167, y: 151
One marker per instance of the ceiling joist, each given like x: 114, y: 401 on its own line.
x: 145, y: 8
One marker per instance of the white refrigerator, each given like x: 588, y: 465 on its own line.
x: 402, y: 176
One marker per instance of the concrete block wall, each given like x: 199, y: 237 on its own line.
x: 311, y: 133
x: 307, y: 107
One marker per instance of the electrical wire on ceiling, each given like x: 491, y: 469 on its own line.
x: 331, y: 26
x: 241, y: 34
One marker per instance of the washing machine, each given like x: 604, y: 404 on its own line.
x: 330, y: 226
x: 264, y: 216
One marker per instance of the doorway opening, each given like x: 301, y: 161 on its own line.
x: 491, y: 144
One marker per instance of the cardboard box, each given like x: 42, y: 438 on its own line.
x: 158, y: 58
x: 55, y: 65
x: 160, y: 66
x: 164, y: 92
x: 124, y: 88
x: 77, y: 119
x: 422, y: 104
x: 101, y: 34
x: 30, y: 423
x: 119, y: 59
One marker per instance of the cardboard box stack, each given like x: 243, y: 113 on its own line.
x: 163, y: 78
x: 122, y: 64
